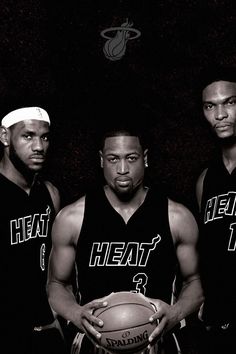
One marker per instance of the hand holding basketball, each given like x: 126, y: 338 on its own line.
x: 126, y: 326
x: 85, y: 321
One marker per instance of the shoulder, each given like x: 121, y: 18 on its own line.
x: 178, y: 211
x: 182, y: 222
x: 199, y: 186
x: 69, y: 220
x: 72, y: 210
x: 55, y: 195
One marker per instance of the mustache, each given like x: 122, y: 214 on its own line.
x: 37, y: 154
x: 123, y: 178
x: 219, y: 125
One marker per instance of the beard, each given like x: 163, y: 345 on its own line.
x: 19, y: 164
x: 125, y: 194
x: 228, y: 141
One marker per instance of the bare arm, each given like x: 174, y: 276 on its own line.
x: 199, y: 187
x: 55, y: 195
x: 65, y: 233
x: 185, y: 235
x: 185, y: 232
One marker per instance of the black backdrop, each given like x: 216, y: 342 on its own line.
x: 51, y: 54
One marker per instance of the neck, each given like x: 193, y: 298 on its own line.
x: 21, y: 180
x: 126, y: 207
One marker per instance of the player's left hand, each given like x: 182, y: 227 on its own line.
x: 165, y: 316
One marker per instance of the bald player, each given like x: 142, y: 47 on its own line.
x: 29, y: 205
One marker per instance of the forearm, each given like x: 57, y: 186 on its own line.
x: 63, y: 301
x: 168, y: 316
x: 189, y: 299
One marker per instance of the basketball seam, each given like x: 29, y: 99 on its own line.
x: 124, y: 329
x: 125, y: 303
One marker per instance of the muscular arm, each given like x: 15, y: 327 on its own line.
x: 199, y: 187
x: 65, y: 234
x: 185, y: 232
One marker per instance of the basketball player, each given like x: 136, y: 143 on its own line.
x: 29, y: 206
x: 124, y: 236
x: 216, y: 191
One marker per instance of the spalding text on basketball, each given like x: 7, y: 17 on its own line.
x: 115, y: 343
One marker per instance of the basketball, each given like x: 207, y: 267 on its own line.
x: 126, y: 325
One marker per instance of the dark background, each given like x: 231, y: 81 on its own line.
x: 51, y: 55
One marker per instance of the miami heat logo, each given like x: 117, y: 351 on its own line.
x: 115, y: 46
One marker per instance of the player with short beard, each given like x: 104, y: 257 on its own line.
x: 124, y: 236
x: 29, y: 205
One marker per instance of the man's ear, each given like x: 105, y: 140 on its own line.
x: 4, y: 135
x: 101, y: 159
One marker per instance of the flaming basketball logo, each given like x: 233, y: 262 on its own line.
x: 115, y: 47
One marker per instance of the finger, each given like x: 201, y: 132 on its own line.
x: 95, y: 341
x: 92, y: 332
x: 96, y: 304
x: 96, y: 321
x: 154, y: 347
x: 157, y: 315
x: 158, y: 331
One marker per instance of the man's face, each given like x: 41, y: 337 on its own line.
x: 123, y: 163
x: 219, y: 107
x: 29, y: 142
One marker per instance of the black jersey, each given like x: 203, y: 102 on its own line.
x: 136, y: 256
x: 218, y: 244
x: 25, y: 225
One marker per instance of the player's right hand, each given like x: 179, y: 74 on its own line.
x: 85, y: 320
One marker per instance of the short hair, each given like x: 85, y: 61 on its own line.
x: 216, y: 73
x: 124, y: 130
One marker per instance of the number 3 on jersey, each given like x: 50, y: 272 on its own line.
x: 141, y: 280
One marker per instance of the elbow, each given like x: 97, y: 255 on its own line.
x: 49, y: 293
x: 200, y: 298
x: 200, y: 301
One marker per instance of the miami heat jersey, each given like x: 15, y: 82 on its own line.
x: 25, y: 225
x: 136, y: 256
x: 218, y: 243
